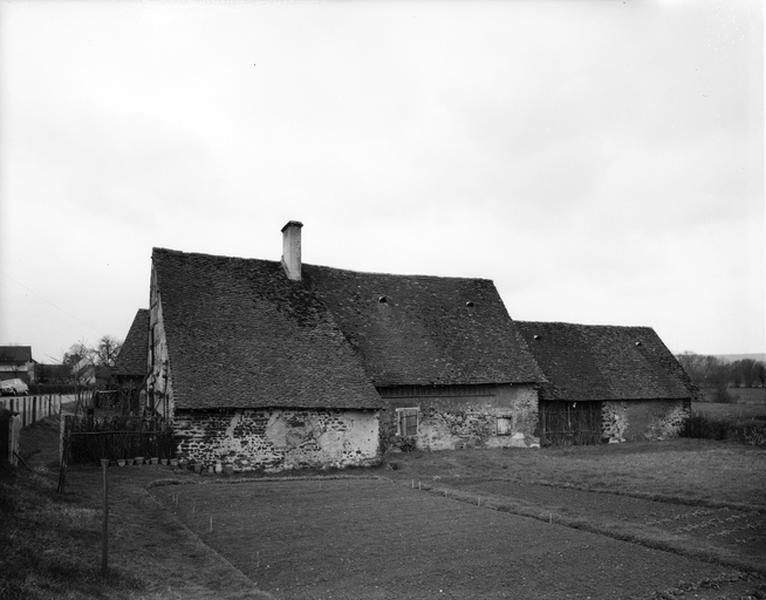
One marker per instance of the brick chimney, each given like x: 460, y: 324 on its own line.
x: 291, y: 250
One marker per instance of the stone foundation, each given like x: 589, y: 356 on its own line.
x: 635, y: 420
x: 453, y: 417
x: 279, y: 439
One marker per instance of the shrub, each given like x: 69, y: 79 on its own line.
x: 407, y: 444
x: 723, y: 395
x: 754, y: 435
x: 700, y: 426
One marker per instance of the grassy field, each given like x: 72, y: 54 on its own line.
x: 736, y: 413
x: 739, y: 395
x: 374, y: 539
x: 695, y: 470
x: 51, y: 544
x: 382, y: 539
x: 722, y: 535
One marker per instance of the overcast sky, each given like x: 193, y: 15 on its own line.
x: 601, y: 161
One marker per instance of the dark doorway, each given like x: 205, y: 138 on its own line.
x: 569, y: 423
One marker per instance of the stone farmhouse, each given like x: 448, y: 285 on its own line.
x: 277, y: 365
x: 606, y: 383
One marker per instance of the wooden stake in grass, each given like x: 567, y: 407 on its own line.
x: 105, y: 542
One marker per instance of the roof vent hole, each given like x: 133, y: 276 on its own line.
x: 638, y: 343
x: 536, y: 336
x: 469, y: 303
x: 382, y: 299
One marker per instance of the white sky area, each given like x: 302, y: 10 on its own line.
x: 601, y: 161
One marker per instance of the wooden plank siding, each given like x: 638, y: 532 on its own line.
x: 564, y: 423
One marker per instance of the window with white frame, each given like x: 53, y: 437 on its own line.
x: 504, y: 425
x: 407, y: 421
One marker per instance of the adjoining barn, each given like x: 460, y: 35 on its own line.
x: 606, y: 383
x: 270, y: 365
x: 132, y: 365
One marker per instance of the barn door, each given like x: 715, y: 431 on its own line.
x: 569, y: 423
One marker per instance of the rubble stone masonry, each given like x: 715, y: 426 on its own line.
x: 279, y: 439
x: 453, y: 417
x: 635, y: 420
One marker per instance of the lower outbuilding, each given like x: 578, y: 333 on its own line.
x: 606, y: 384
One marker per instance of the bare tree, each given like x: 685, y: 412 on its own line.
x: 107, y: 350
x: 78, y: 353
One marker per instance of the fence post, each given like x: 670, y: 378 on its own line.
x: 105, y: 545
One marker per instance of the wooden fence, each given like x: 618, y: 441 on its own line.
x: 32, y: 408
x: 87, y: 439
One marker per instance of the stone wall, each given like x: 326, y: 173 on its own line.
x: 452, y: 417
x: 279, y: 439
x: 634, y: 420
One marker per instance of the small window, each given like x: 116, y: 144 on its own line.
x: 504, y: 425
x: 407, y: 421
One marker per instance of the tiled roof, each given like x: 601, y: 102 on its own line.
x: 240, y: 334
x: 132, y: 359
x: 423, y: 330
x: 604, y: 362
x: 15, y: 354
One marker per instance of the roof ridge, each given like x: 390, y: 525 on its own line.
x: 159, y: 249
x: 388, y: 274
x: 590, y: 325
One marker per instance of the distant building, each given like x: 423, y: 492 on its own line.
x: 52, y: 374
x: 16, y: 362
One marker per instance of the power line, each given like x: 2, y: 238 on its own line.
x: 53, y: 304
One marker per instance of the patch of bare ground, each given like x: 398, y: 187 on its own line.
x: 364, y: 538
